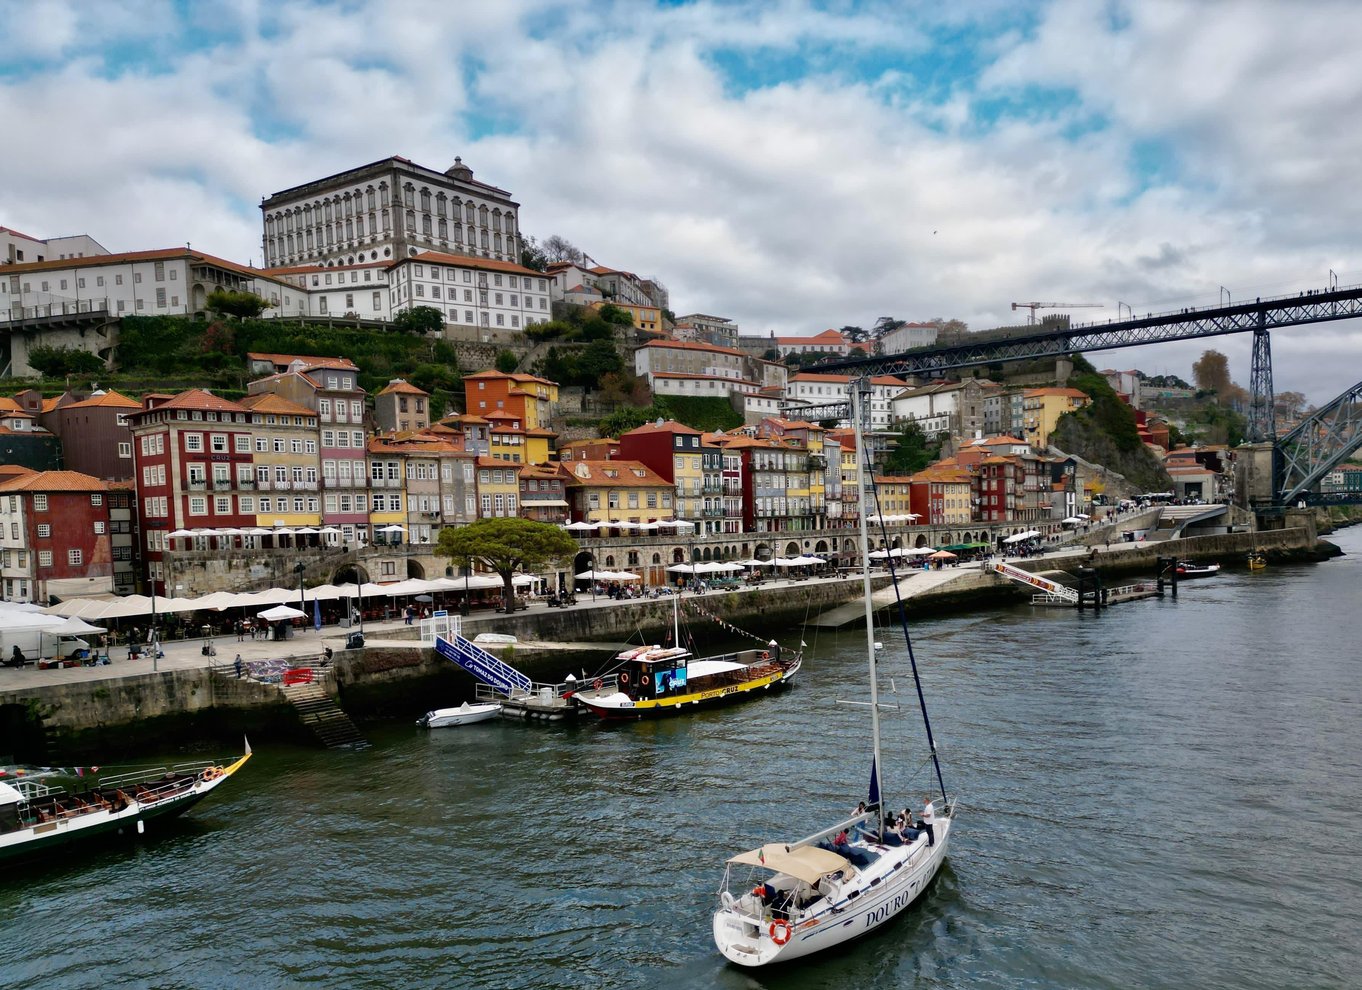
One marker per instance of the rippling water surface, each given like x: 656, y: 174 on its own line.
x: 1163, y: 795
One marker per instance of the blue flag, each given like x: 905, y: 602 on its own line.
x: 316, y: 615
x: 874, y: 784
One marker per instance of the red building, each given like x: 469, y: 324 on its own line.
x: 193, y: 453
x: 54, y: 536
x: 96, y: 435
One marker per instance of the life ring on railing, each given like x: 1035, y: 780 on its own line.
x: 212, y: 773
x: 598, y: 684
x: 727, y: 900
x: 780, y: 931
x: 765, y: 655
x: 624, y: 677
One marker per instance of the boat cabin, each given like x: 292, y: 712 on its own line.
x: 653, y: 671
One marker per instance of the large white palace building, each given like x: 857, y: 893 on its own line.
x: 387, y: 211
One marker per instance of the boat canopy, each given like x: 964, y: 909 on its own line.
x: 10, y: 795
x: 807, y: 863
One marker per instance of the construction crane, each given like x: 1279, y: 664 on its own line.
x: 1033, y: 306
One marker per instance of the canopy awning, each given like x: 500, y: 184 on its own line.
x: 807, y: 863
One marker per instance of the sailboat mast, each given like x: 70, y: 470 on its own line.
x: 857, y: 398
x: 676, y: 619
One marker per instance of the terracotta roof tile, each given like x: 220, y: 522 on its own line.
x: 54, y: 481
x: 110, y: 399
x: 268, y: 402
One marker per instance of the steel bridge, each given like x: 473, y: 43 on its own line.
x: 1300, y: 459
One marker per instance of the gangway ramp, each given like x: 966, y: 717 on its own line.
x: 490, y: 670
x: 1054, y: 589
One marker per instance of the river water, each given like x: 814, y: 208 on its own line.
x: 1162, y: 795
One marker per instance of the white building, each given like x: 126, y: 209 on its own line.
x: 908, y: 336
x: 343, y: 290
x: 712, y: 386
x: 17, y: 248
x: 471, y: 291
x: 827, y: 342
x: 717, y: 330
x: 813, y: 388
x: 389, y: 210
x: 956, y: 408
x: 691, y: 358
x: 136, y: 283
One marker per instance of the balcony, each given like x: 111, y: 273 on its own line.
x: 196, y: 485
x: 264, y: 486
x: 283, y: 486
x: 245, y: 482
x: 222, y: 485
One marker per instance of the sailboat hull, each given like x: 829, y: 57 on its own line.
x: 882, y: 892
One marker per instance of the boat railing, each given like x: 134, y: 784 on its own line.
x: 1046, y: 598
x: 157, y: 779
x: 34, y: 790
x: 544, y: 690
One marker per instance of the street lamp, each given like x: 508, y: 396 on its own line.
x: 464, y: 608
x: 300, y: 570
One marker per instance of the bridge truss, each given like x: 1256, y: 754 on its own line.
x: 1302, y: 458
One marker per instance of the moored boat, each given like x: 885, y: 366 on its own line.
x: 656, y: 680
x: 1188, y: 569
x: 852, y: 876
x: 465, y: 714
x: 1257, y: 560
x: 36, y: 816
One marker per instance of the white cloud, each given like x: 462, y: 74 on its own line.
x: 822, y: 200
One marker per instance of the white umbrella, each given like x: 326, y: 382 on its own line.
x: 394, y: 528
x: 579, y: 526
x: 307, y: 530
x: 681, y: 569
x: 808, y: 560
x: 177, y: 533
x: 594, y: 576
x: 754, y: 562
x: 1015, y: 538
x: 282, y: 612
x: 728, y: 568
x: 623, y: 576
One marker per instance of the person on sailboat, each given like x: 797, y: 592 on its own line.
x: 928, y: 815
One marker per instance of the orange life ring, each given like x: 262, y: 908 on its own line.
x: 780, y: 931
x: 624, y: 677
x: 211, y: 773
x: 598, y: 684
x: 765, y: 655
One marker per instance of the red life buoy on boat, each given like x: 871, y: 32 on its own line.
x: 765, y: 655
x: 780, y: 931
x: 598, y: 684
x: 624, y: 677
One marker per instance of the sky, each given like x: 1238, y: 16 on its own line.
x: 792, y: 165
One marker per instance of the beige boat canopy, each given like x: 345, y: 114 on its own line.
x: 807, y: 863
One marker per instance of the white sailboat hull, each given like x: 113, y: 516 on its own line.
x: 882, y: 891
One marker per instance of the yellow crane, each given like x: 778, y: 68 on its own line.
x: 1033, y: 306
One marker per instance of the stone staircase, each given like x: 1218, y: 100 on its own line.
x: 323, y: 716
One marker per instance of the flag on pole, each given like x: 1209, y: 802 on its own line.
x: 316, y: 615
x: 874, y: 784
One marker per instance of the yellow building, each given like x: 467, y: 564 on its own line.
x: 645, y: 317
x: 498, y: 488
x: 617, y: 491
x: 286, y: 460
x: 1041, y: 409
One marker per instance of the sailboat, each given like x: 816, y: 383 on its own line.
x: 798, y: 898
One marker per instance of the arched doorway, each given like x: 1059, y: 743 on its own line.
x: 351, y: 574
x: 678, y: 555
x: 921, y: 541
x: 415, y: 570
x: 821, y: 546
x: 792, y: 549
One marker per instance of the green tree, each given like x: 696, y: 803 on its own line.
x: 598, y: 360
x: 616, y: 316
x: 506, y: 546
x: 912, y: 451
x: 57, y: 362
x: 532, y: 255
x: 246, y: 305
x: 419, y: 319
x: 626, y: 418
x: 507, y: 362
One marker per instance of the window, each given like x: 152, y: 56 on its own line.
x: 193, y: 442
x: 198, y: 505
x: 99, y: 528
x: 75, y: 557
x: 44, y: 530
x: 44, y: 558
x: 219, y: 442
x: 39, y: 503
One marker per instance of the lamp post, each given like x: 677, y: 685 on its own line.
x: 464, y: 608
x: 300, y: 570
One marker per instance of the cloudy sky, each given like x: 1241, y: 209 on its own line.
x: 792, y: 165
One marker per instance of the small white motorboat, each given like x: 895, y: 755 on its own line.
x: 465, y: 714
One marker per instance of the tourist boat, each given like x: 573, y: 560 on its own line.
x: 1257, y: 560
x: 36, y: 815
x: 844, y: 880
x: 465, y: 714
x: 1187, y: 569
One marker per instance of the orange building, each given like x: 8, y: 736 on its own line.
x: 529, y: 399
